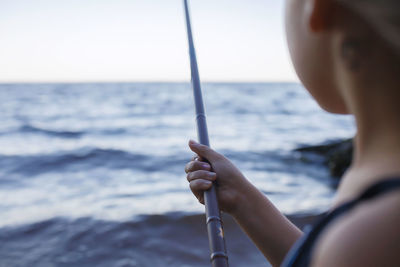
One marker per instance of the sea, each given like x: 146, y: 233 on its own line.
x: 92, y: 174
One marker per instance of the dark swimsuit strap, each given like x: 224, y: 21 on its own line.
x: 296, y: 258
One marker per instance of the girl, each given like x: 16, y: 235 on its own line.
x: 347, y: 55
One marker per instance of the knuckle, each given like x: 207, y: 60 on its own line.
x: 196, y: 166
x: 191, y: 185
x: 188, y: 167
x: 190, y: 177
x: 194, y: 186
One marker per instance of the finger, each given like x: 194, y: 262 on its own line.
x: 198, y: 187
x: 201, y: 200
x: 197, y: 165
x: 204, y: 151
x: 201, y: 175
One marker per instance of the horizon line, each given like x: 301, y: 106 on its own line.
x: 141, y: 81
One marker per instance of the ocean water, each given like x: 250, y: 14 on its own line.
x: 93, y: 174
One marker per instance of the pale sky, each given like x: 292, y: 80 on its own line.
x: 141, y: 40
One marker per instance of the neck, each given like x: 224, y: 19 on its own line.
x: 375, y: 104
x: 373, y: 96
x: 377, y: 146
x: 376, y: 157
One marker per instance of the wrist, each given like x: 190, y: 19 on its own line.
x: 244, y: 200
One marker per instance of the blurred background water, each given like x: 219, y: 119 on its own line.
x: 92, y: 174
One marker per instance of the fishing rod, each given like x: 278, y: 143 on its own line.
x: 219, y: 257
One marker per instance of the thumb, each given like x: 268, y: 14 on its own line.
x: 203, y: 151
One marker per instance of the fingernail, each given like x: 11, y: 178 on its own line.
x: 207, y: 182
x: 205, y: 165
x: 193, y: 143
x: 212, y: 174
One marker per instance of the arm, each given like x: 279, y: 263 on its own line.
x: 268, y: 228
x: 272, y: 232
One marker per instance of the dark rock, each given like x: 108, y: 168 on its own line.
x: 337, y: 155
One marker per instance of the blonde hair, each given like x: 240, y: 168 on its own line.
x: 382, y: 15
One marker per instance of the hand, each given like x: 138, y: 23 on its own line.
x: 231, y: 183
x: 238, y: 197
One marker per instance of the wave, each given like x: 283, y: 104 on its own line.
x: 176, y: 239
x: 29, y: 129
x: 87, y: 158
x: 63, y: 134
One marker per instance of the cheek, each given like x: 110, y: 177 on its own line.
x: 292, y: 19
x: 295, y: 32
x: 311, y: 57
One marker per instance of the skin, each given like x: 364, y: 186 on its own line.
x: 365, y: 84
x: 238, y: 197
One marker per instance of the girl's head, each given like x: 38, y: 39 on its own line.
x: 332, y: 40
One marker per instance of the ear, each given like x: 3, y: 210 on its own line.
x: 320, y: 14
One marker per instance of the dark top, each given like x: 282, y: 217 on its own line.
x: 301, y: 252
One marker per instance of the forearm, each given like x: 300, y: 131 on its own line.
x: 269, y: 229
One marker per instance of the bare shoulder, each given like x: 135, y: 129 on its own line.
x: 369, y: 235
